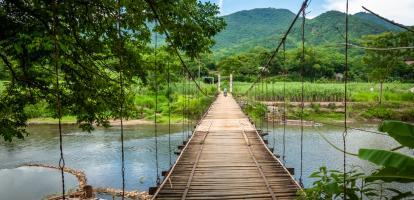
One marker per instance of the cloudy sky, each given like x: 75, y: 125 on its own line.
x: 401, y: 11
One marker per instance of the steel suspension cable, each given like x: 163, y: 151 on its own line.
x: 58, y: 97
x: 121, y: 82
x: 344, y: 134
x: 156, y: 109
x: 302, y: 97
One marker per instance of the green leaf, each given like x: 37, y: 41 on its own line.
x: 333, y: 188
x: 387, y: 158
x: 400, y: 131
x: 390, y: 174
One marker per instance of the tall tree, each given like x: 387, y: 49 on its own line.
x: 88, y: 51
x: 381, y: 63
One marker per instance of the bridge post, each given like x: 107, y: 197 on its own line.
x: 231, y: 83
x: 218, y: 83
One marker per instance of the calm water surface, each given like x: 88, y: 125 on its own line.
x: 98, y: 155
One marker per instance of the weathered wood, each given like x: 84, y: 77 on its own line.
x: 226, y: 158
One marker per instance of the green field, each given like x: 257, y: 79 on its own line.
x: 327, y: 92
x: 141, y: 104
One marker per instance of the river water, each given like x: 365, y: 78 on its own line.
x: 98, y: 155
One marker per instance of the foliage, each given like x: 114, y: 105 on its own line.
x: 255, y: 110
x: 392, y: 167
x: 330, y: 92
x: 91, y: 52
x: 329, y: 185
x: 379, y: 113
x: 264, y: 26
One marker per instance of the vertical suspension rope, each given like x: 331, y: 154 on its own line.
x: 266, y: 112
x: 261, y: 99
x: 156, y: 109
x: 190, y: 92
x: 58, y: 97
x: 183, y: 106
x: 273, y: 116
x: 121, y: 81
x: 344, y: 134
x: 302, y: 97
x: 169, y: 111
x: 284, y: 104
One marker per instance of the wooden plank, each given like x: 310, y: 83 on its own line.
x: 226, y: 158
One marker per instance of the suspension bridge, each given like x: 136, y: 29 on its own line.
x: 226, y: 158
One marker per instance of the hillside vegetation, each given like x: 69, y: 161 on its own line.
x: 264, y: 27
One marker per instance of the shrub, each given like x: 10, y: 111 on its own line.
x: 379, y: 112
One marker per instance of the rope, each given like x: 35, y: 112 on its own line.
x: 186, y: 105
x: 331, y: 144
x: 273, y: 116
x: 371, y: 48
x: 169, y: 111
x: 283, y: 39
x: 121, y: 97
x: 302, y: 100
x: 261, y: 99
x: 58, y: 98
x: 156, y: 109
x: 183, y: 107
x: 188, y: 110
x: 344, y: 134
x: 266, y: 113
x: 389, y: 21
x: 284, y: 105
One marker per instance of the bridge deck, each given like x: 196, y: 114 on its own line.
x: 227, y: 159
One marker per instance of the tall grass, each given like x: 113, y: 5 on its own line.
x: 185, y: 101
x: 326, y: 92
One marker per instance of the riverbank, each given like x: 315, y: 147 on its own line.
x: 69, y: 120
x: 331, y: 112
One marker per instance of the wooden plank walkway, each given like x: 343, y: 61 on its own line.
x: 227, y: 159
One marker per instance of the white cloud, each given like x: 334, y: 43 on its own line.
x: 401, y: 11
x: 220, y: 4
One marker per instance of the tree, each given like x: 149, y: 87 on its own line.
x: 90, y: 51
x: 381, y: 63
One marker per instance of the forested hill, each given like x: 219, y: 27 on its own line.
x: 264, y: 27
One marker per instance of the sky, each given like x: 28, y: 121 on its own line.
x: 401, y: 11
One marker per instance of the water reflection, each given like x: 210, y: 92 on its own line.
x: 97, y: 153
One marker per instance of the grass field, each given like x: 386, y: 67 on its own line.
x: 142, y: 104
x: 327, y: 92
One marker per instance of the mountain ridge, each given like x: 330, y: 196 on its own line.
x: 265, y: 26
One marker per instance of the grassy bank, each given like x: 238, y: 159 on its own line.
x: 333, y: 112
x: 328, y: 92
x: 324, y: 101
x: 185, y: 101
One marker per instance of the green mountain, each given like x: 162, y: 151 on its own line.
x: 265, y: 26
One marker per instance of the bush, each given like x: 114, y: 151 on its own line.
x: 380, y: 113
x: 41, y: 109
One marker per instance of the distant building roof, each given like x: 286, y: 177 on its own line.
x: 409, y: 62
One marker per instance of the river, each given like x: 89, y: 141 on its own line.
x: 98, y: 155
